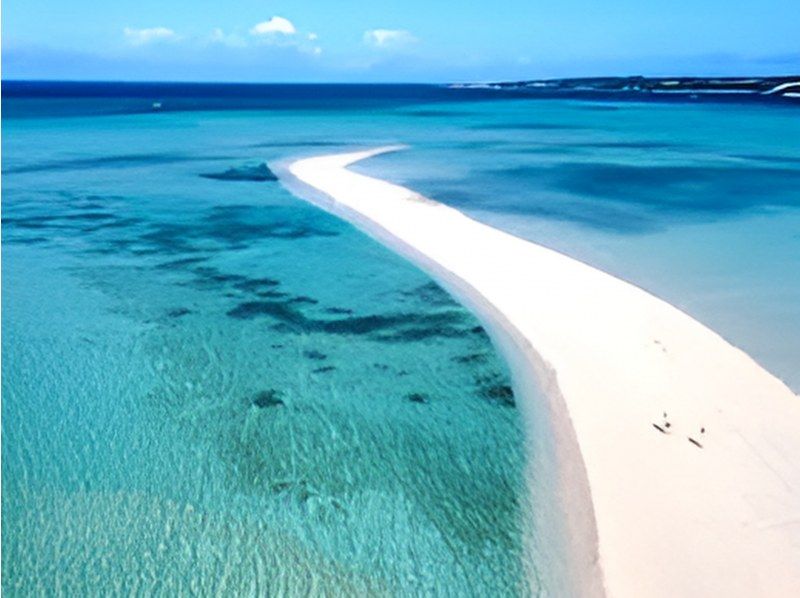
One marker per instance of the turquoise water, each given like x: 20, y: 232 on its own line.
x: 210, y: 386
x: 698, y: 204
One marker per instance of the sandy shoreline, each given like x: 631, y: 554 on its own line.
x: 668, y: 516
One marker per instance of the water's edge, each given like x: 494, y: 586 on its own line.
x: 557, y: 476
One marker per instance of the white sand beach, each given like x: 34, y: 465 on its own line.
x: 707, y: 505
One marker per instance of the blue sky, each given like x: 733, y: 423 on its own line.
x: 394, y: 40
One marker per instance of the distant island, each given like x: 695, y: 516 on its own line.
x: 772, y: 87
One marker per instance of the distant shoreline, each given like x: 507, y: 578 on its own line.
x: 686, y: 88
x: 174, y: 95
x: 689, y: 446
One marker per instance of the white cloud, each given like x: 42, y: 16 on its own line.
x: 280, y: 32
x: 388, y: 38
x: 144, y: 36
x: 218, y: 36
x: 273, y: 26
x: 309, y: 50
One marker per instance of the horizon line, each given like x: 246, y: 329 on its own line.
x: 386, y: 83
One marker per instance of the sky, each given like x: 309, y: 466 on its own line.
x: 394, y: 40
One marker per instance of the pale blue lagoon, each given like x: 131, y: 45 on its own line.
x: 212, y: 387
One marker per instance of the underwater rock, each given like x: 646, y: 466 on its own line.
x: 432, y: 294
x: 503, y: 394
x: 486, y: 379
x: 471, y: 358
x: 256, y: 284
x: 418, y: 397
x: 276, y: 309
x: 387, y: 328
x: 257, y: 174
x: 271, y: 294
x: 206, y: 274
x: 323, y: 370
x: 268, y: 398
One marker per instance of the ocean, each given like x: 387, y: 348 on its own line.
x: 210, y: 386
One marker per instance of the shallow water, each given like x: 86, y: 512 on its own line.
x: 211, y: 386
x: 698, y: 204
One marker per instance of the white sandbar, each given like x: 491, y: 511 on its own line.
x: 670, y: 518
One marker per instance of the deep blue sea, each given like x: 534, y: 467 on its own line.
x: 212, y: 387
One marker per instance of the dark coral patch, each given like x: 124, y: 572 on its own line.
x: 214, y: 275
x: 418, y: 397
x: 257, y: 174
x: 471, y: 358
x: 256, y: 284
x: 396, y: 327
x: 271, y: 294
x: 502, y: 394
x: 233, y: 227
x: 324, y: 369
x: 278, y: 310
x: 432, y: 294
x: 268, y: 398
x: 415, y: 324
x: 182, y: 263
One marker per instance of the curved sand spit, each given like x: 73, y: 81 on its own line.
x: 670, y: 518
